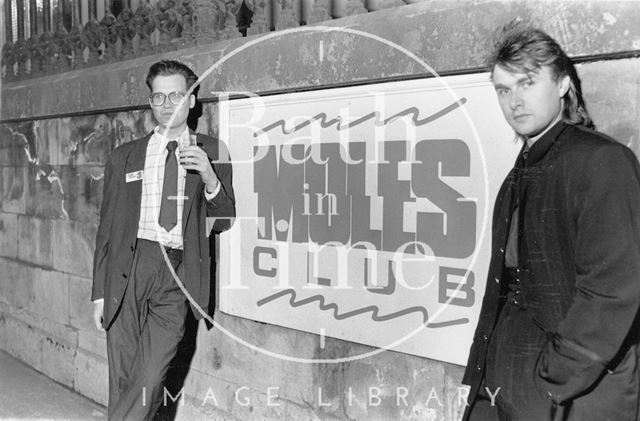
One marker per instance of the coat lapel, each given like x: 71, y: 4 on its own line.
x: 133, y: 190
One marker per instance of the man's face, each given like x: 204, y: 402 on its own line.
x: 529, y: 102
x: 164, y: 113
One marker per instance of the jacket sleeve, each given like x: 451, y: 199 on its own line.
x: 223, y: 206
x: 107, y: 212
x: 607, y: 264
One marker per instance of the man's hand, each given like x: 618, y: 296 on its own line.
x: 98, y: 311
x: 194, y: 158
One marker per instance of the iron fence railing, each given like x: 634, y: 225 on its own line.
x: 44, y: 37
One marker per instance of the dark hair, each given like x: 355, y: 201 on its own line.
x: 524, y: 49
x: 172, y: 67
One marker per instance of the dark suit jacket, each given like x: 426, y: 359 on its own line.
x: 120, y: 212
x: 579, y: 252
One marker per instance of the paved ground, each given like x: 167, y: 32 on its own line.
x: 26, y: 394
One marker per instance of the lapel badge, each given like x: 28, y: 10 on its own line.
x: 134, y: 176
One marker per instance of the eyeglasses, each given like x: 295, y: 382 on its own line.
x: 158, y: 99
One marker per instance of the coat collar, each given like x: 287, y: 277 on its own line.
x: 542, y: 145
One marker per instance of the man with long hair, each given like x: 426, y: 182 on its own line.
x: 558, y: 331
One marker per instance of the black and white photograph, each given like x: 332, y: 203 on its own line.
x: 304, y: 210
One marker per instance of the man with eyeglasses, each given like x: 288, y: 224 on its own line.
x: 158, y: 191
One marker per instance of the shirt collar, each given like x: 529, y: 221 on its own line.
x: 542, y: 144
x: 162, y: 140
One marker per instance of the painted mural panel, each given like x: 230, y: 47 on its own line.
x: 53, y: 168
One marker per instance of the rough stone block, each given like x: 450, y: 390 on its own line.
x: 45, y: 344
x: 8, y: 235
x: 614, y: 103
x: 6, y: 141
x: 51, y: 295
x: 16, y: 283
x: 15, y: 189
x: 18, y: 146
x: 93, y: 341
x: 80, y: 305
x: 47, y: 193
x: 241, y: 401
x: 34, y: 240
x: 4, y: 309
x: 22, y: 341
x: 83, y: 192
x: 269, y: 405
x: 194, y: 411
x: 49, y: 327
x: 391, y: 385
x: 132, y: 125
x: 209, y: 391
x: 58, y: 358
x: 222, y: 356
x: 456, y: 393
x: 75, y: 244
x: 89, y: 142
x: 47, y: 141
x: 91, y: 376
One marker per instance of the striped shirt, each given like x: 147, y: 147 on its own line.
x: 153, y: 177
x: 150, y: 199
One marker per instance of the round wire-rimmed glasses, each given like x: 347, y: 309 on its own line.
x: 158, y: 99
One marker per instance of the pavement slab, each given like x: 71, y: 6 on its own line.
x: 26, y: 394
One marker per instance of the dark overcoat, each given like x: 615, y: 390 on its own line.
x: 120, y: 214
x: 579, y: 256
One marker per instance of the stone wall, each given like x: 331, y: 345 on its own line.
x: 57, y: 131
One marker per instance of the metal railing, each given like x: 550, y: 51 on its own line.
x: 43, y: 37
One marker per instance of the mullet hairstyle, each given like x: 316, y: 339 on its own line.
x: 524, y: 49
x: 169, y: 68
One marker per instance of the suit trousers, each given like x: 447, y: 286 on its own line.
x: 510, y: 372
x: 145, y: 334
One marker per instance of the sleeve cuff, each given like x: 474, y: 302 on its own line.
x: 210, y: 196
x: 99, y: 300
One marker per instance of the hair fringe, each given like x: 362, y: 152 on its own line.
x: 520, y: 47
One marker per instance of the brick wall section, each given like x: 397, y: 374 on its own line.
x: 51, y: 190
